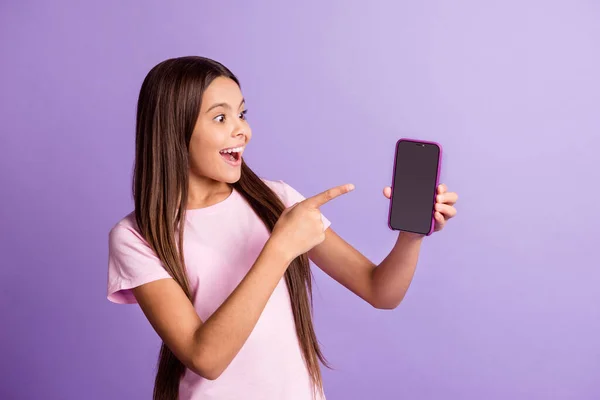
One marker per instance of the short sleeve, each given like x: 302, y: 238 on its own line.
x: 290, y: 196
x: 131, y: 263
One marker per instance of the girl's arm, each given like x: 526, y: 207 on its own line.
x: 384, y: 285
x: 208, y: 347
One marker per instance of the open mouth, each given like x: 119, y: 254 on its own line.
x: 232, y: 155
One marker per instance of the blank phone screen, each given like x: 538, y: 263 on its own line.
x: 414, y: 186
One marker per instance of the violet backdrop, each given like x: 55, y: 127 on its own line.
x: 505, y: 303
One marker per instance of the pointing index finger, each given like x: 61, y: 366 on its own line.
x: 328, y: 195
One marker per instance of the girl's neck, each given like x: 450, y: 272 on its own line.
x: 205, y: 192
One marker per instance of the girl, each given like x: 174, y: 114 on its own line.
x: 218, y: 258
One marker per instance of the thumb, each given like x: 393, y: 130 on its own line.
x: 290, y: 208
x: 387, y: 192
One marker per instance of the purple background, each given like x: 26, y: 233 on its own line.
x: 505, y: 303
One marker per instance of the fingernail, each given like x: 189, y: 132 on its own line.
x: 440, y: 198
x: 350, y: 187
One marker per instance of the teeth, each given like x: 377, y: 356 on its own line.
x: 235, y: 150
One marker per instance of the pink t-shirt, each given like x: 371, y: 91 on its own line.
x: 221, y: 243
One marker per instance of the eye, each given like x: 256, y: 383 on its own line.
x: 219, y: 118
x: 243, y: 114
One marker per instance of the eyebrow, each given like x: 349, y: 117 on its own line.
x: 224, y: 105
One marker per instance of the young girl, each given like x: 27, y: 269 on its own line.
x: 218, y: 258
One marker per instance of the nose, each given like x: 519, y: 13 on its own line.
x: 240, y: 132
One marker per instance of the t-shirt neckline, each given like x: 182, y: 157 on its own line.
x: 212, y: 209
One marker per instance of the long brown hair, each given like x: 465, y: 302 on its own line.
x: 168, y: 106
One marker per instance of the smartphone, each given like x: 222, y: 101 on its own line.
x: 417, y: 166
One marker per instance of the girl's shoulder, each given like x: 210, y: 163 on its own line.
x: 126, y: 228
x: 278, y: 186
x: 285, y: 191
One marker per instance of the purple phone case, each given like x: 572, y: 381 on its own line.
x: 437, y: 180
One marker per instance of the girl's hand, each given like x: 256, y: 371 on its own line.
x: 300, y: 227
x: 444, y: 205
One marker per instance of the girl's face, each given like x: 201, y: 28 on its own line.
x: 221, y: 133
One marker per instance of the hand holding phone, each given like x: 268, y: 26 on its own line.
x: 415, y: 178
